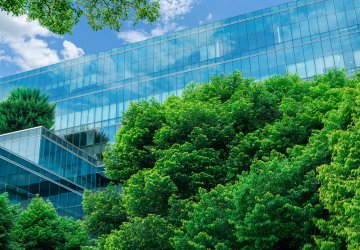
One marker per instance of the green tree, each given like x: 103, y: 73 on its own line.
x: 302, y: 109
x: 104, y: 211
x: 192, y: 144
x: 277, y: 201
x: 191, y: 168
x: 209, y: 223
x: 8, y: 214
x: 133, y: 148
x: 60, y: 16
x: 151, y: 232
x: 203, y: 123
x: 72, y: 234
x: 39, y: 227
x: 26, y: 108
x: 148, y: 192
x: 339, y: 192
x: 284, y: 151
x: 269, y: 212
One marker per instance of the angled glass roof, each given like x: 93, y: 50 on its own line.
x: 36, y: 161
x: 42, y: 147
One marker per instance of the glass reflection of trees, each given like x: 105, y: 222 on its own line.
x: 93, y: 141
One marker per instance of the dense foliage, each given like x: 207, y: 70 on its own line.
x: 240, y: 164
x: 60, y: 16
x: 147, y: 192
x: 8, y: 214
x: 231, y: 164
x: 38, y: 227
x: 151, y: 232
x: 104, y: 211
x: 26, y: 108
x: 132, y: 152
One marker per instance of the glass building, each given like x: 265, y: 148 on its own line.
x: 36, y: 161
x: 306, y: 37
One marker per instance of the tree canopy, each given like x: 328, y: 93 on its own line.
x: 151, y: 232
x: 60, y: 16
x: 271, y: 164
x: 147, y: 192
x: 26, y: 108
x: 8, y: 213
x: 231, y: 164
x: 40, y: 227
x: 112, y: 214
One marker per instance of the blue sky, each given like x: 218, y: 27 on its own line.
x: 25, y: 46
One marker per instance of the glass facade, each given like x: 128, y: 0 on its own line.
x: 91, y: 93
x: 36, y: 161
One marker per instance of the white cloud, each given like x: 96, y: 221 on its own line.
x: 32, y: 53
x: 169, y: 10
x: 27, y: 45
x: 133, y: 36
x: 23, y: 39
x: 70, y: 51
x: 164, y: 28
